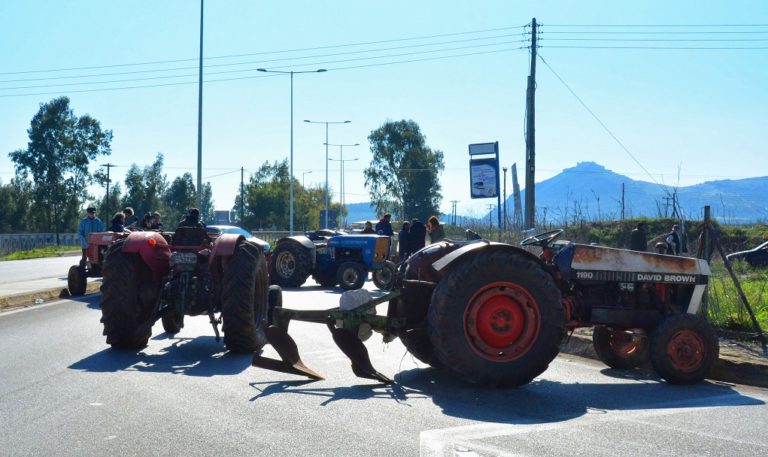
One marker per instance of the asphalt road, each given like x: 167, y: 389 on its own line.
x: 12, y: 271
x: 64, y: 392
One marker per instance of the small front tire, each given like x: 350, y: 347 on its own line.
x: 351, y: 275
x: 684, y: 348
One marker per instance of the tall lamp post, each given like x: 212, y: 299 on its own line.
x: 320, y: 70
x: 342, y: 201
x: 302, y: 176
x: 326, y: 159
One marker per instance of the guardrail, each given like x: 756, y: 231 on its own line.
x: 12, y: 242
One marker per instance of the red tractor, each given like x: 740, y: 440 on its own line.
x: 150, y: 275
x: 495, y: 314
x: 78, y: 275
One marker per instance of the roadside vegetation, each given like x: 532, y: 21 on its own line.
x: 48, y: 251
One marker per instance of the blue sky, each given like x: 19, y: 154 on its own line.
x: 685, y: 115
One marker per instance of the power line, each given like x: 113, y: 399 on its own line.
x: 686, y: 48
x: 423, y: 37
x: 656, y: 25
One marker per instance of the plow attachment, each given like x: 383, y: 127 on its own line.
x: 344, y: 336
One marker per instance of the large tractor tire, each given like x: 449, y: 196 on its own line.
x: 618, y: 349
x: 128, y: 293
x: 244, y: 303
x: 351, y: 275
x: 290, y: 264
x: 77, y: 280
x: 496, y: 318
x: 384, y: 278
x: 684, y: 348
x: 412, y: 305
x: 325, y: 278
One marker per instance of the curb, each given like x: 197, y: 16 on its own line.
x: 726, y: 369
x: 30, y: 298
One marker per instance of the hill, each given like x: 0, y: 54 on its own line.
x: 589, y: 191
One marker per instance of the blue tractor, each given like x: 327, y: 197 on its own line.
x: 331, y: 259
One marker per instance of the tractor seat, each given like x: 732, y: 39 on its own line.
x: 189, y: 236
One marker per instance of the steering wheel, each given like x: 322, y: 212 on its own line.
x: 542, y: 239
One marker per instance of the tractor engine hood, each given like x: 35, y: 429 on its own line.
x: 583, y: 262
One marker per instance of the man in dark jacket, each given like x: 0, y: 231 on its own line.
x: 403, y: 249
x: 192, y: 219
x: 638, y: 239
x: 384, y: 226
x: 416, y: 236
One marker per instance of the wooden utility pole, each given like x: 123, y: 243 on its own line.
x: 622, y: 201
x: 242, y: 195
x: 108, y: 216
x: 505, y: 198
x: 530, y: 137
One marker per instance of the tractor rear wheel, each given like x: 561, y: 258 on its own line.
x: 77, y: 280
x: 128, y: 293
x: 244, y: 303
x: 684, y: 348
x: 351, y: 275
x: 618, y: 349
x: 384, y: 278
x: 290, y: 264
x: 496, y: 318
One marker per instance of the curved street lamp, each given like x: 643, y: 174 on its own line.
x: 264, y: 70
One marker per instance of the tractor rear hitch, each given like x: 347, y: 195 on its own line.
x: 345, y: 336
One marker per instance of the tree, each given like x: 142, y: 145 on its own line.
x: 267, y: 195
x: 402, y: 177
x: 145, y: 187
x: 61, y: 146
x: 207, y: 211
x: 180, y: 197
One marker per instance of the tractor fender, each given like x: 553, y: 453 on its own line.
x: 152, y: 248
x: 225, y: 245
x: 301, y: 239
x: 444, y: 264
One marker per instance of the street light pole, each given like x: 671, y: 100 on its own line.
x: 326, y: 159
x: 320, y: 70
x: 200, y: 118
x: 302, y: 176
x: 342, y: 201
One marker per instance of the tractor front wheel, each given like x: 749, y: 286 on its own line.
x: 172, y: 322
x: 244, y: 303
x: 496, y: 318
x: 128, y: 293
x: 351, y: 275
x: 77, y: 280
x: 684, y: 348
x: 618, y: 349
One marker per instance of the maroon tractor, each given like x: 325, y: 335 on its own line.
x: 150, y: 276
x: 495, y: 314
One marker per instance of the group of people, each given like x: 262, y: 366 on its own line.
x: 127, y: 220
x: 674, y: 241
x: 412, y: 235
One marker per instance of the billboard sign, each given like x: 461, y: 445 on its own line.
x: 484, y: 178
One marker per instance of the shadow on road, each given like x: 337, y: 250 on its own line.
x: 200, y: 356
x: 541, y: 401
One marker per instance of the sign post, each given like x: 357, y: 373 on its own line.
x: 484, y: 174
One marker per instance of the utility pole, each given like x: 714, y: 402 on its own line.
x: 200, y: 118
x: 490, y: 214
x: 242, y: 195
x: 505, y: 198
x: 453, y: 211
x: 518, y: 215
x: 109, y: 213
x: 530, y: 136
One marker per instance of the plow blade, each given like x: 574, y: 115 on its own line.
x: 353, y: 348
x: 289, y: 353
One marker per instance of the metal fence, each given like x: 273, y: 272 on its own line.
x: 12, y: 242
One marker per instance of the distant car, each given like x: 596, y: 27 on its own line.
x: 757, y: 257
x: 215, y: 230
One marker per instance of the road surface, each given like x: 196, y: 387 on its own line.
x: 64, y: 392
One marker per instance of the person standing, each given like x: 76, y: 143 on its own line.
x: 368, y: 229
x: 384, y: 226
x: 89, y: 224
x: 402, y: 241
x: 674, y: 241
x: 130, y: 219
x: 638, y: 238
x: 435, y: 230
x: 416, y: 236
